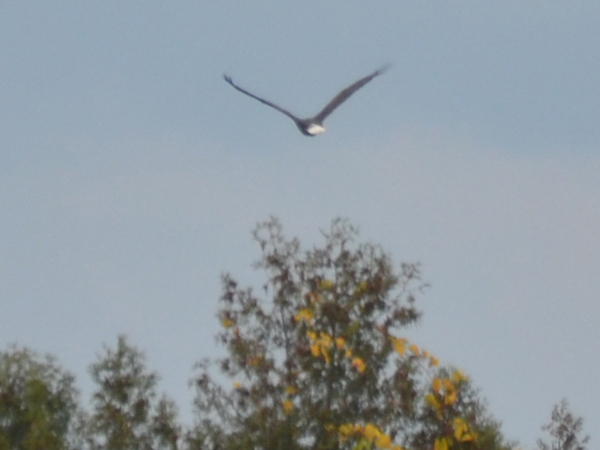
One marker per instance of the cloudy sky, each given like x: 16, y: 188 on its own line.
x: 131, y: 176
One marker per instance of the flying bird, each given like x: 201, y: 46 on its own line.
x: 311, y: 126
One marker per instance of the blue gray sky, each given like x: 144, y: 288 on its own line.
x: 131, y: 176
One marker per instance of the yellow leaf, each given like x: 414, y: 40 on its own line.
x: 458, y: 376
x: 448, y: 385
x: 399, y: 346
x: 450, y: 398
x: 314, y: 349
x: 441, y: 444
x: 461, y: 430
x: 413, y: 348
x: 432, y: 401
x: 326, y: 355
x: 348, y: 353
x: 457, y: 422
x: 325, y: 339
x: 433, y: 362
x: 236, y: 385
x: 339, y: 343
x: 345, y: 431
x: 460, y: 427
x: 359, y: 365
x: 467, y: 437
x: 287, y: 406
x: 291, y: 390
x: 325, y: 284
x: 363, y: 444
x: 255, y: 361
x: 362, y: 287
x: 371, y: 431
x: 227, y: 323
x: 436, y: 384
x: 304, y: 314
x: 383, y: 441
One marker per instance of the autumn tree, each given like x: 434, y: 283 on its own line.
x: 38, y: 402
x: 318, y: 360
x: 126, y: 411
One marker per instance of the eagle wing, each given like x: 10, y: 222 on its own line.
x: 262, y: 100
x: 344, y: 94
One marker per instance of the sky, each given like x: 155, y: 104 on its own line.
x: 131, y: 176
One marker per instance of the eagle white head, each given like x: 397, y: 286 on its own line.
x: 314, y: 128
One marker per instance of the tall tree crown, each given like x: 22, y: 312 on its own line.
x: 319, y: 358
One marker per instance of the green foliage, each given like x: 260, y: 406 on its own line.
x: 38, y: 402
x: 316, y: 361
x: 565, y: 429
x: 126, y: 413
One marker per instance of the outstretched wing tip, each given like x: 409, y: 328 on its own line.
x: 347, y: 92
x: 262, y: 100
x: 384, y: 68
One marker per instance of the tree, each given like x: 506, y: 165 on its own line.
x: 126, y: 414
x: 321, y: 363
x: 38, y: 402
x: 565, y: 430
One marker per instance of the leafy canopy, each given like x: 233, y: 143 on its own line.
x: 319, y: 361
x: 126, y: 412
x: 38, y: 402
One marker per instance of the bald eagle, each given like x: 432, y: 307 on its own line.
x: 311, y: 126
